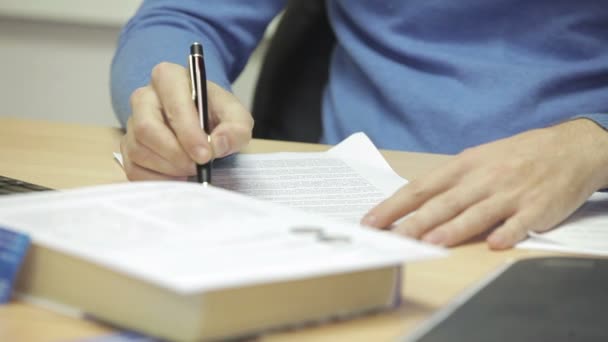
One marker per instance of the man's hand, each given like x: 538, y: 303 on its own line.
x: 164, y: 139
x: 529, y: 182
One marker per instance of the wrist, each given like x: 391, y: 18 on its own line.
x: 591, y: 142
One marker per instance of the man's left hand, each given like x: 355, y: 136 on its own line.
x: 528, y: 182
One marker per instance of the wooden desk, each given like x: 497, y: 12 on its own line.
x: 66, y: 156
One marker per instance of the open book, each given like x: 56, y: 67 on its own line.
x: 185, y: 262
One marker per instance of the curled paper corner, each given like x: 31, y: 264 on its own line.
x: 118, y: 158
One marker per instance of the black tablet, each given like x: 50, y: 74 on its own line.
x: 539, y: 299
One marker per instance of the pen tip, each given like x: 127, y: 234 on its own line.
x: 205, y: 184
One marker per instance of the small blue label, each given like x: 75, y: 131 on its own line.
x: 13, y: 248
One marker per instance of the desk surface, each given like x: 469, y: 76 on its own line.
x: 65, y: 156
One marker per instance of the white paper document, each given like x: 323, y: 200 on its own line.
x: 191, y: 239
x: 586, y: 231
x: 344, y: 182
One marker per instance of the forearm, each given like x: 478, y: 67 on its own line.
x: 163, y: 30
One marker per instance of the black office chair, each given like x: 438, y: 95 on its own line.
x: 287, y: 99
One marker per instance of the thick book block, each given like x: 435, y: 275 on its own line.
x: 132, y: 303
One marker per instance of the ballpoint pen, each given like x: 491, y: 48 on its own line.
x: 198, y: 79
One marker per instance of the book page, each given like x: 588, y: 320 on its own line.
x: 586, y: 231
x: 190, y: 238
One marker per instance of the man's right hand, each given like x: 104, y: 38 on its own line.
x: 164, y: 139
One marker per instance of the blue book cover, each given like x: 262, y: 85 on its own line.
x: 13, y: 249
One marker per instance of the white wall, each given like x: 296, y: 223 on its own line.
x: 55, y: 57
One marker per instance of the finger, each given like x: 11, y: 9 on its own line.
x: 440, y: 209
x: 471, y: 222
x: 512, y: 231
x: 173, y: 88
x: 142, y: 156
x: 409, y: 198
x: 229, y: 137
x: 147, y: 127
x: 538, y: 216
x: 233, y: 123
x: 135, y: 172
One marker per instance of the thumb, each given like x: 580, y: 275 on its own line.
x: 232, y: 123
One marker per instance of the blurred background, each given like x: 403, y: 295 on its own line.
x: 55, y: 58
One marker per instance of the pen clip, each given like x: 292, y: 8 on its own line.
x: 192, y: 85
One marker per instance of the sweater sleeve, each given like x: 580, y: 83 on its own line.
x: 599, y: 118
x: 162, y: 30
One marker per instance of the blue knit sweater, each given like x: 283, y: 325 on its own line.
x: 434, y: 75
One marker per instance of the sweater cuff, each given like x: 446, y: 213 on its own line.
x: 601, y: 119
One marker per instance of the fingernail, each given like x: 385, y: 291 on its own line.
x: 201, y: 155
x: 369, y: 220
x: 435, y: 238
x: 220, y: 146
